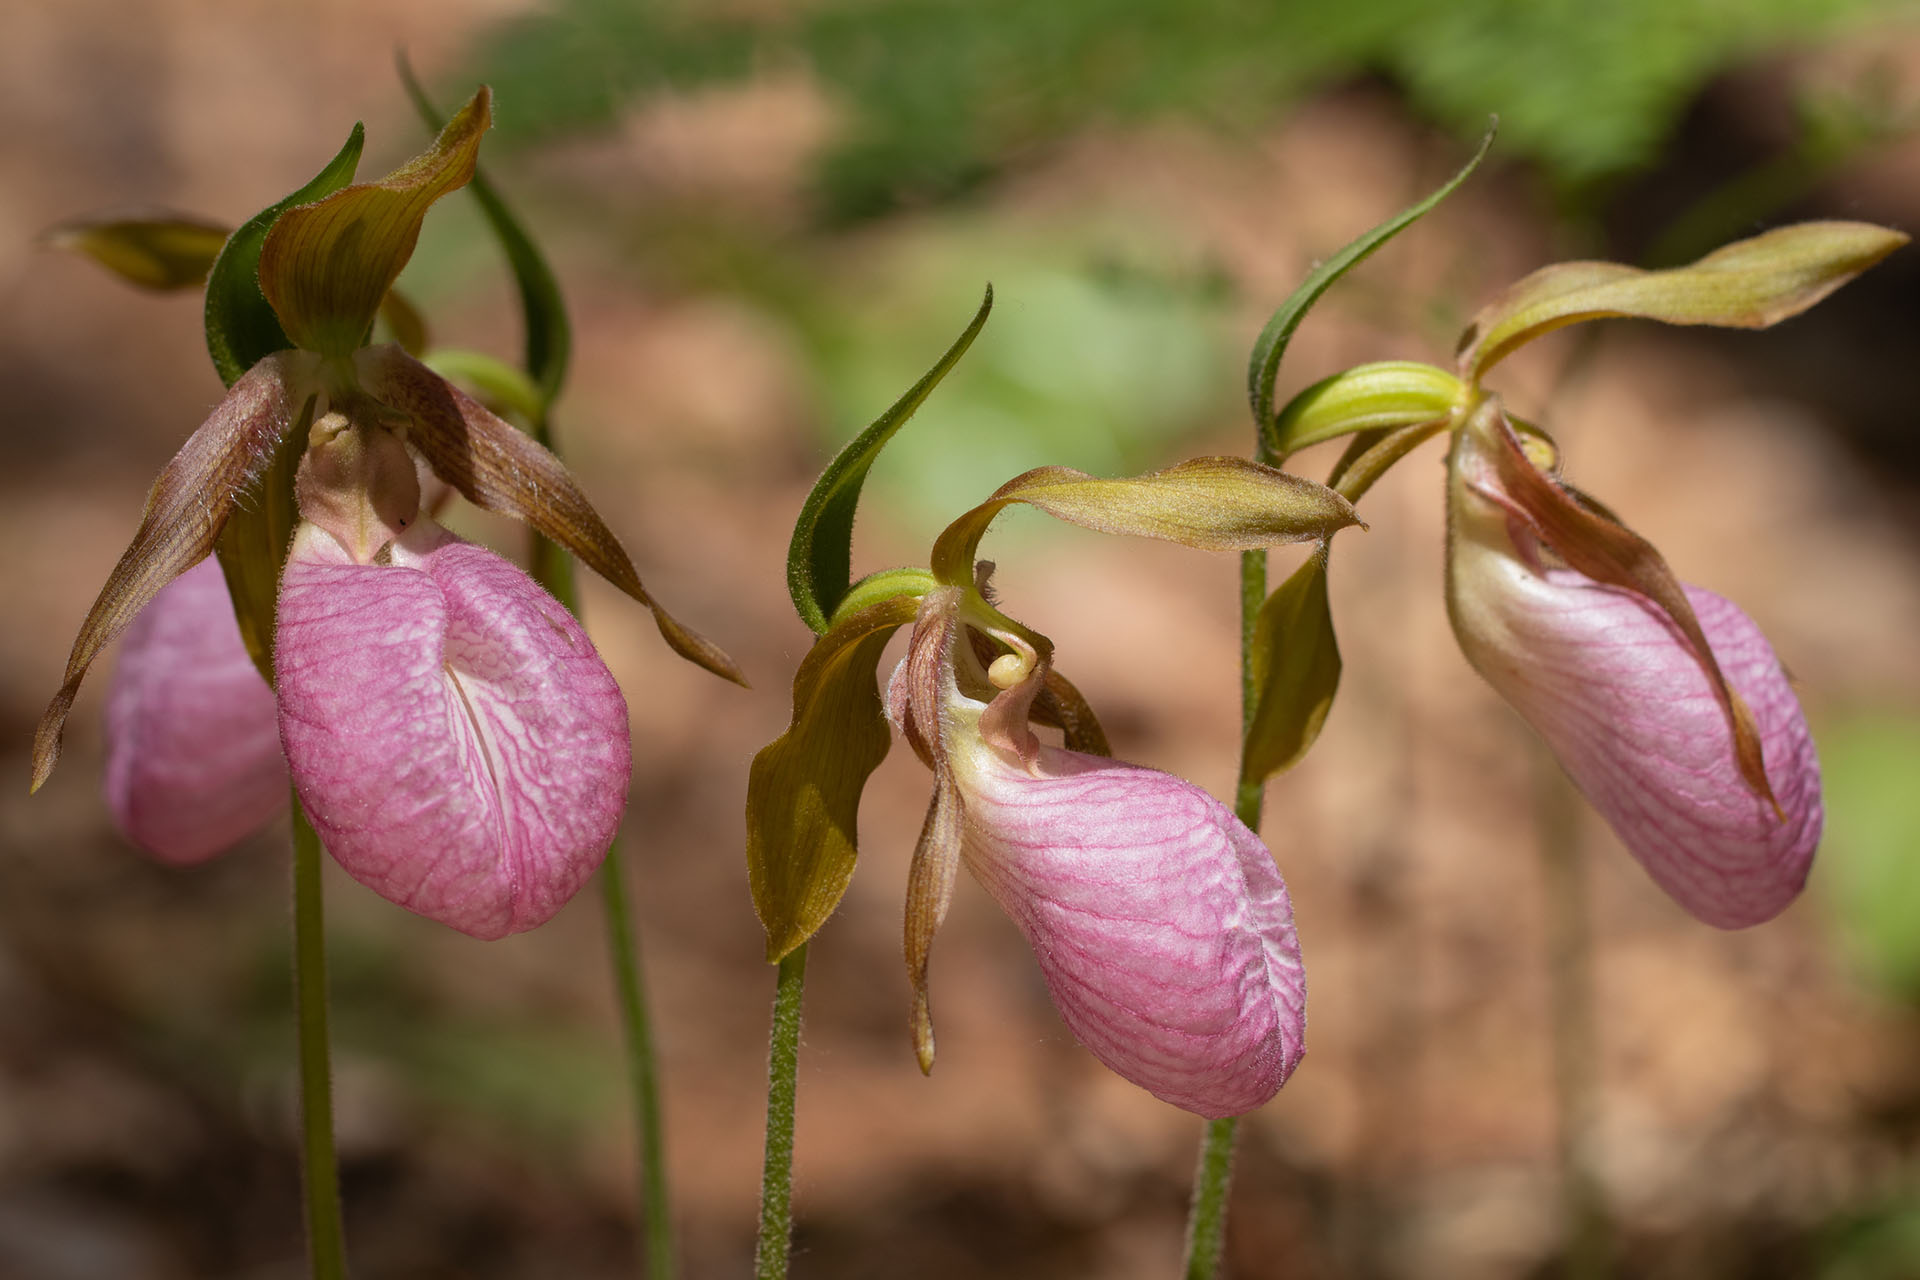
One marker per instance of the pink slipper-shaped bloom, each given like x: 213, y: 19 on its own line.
x: 1160, y: 922
x: 1664, y: 703
x: 458, y: 744
x: 193, y: 743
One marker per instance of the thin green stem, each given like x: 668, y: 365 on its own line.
x: 1574, y: 1028
x: 643, y: 1075
x: 553, y: 569
x: 1213, y: 1177
x: 783, y: 1062
x: 326, y: 1243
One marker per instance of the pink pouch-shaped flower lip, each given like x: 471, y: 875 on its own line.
x: 457, y: 742
x: 1160, y: 922
x: 193, y: 742
x: 1608, y: 679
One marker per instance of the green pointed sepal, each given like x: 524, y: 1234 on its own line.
x: 164, y: 252
x: 1212, y: 504
x: 803, y: 789
x: 1749, y: 284
x: 1385, y: 396
x: 326, y: 266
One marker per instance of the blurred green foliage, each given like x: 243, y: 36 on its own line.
x: 1092, y: 362
x: 939, y: 94
x: 1882, y: 1244
x: 1870, y: 856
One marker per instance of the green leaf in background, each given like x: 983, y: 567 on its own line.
x: 1867, y: 858
x: 1264, y: 364
x: 549, y: 339
x: 820, y: 557
x: 241, y: 327
x: 1296, y: 667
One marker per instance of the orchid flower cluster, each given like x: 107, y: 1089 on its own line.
x: 293, y: 613
x: 1663, y: 701
x: 452, y: 734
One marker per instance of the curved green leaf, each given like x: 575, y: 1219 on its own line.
x: 549, y: 338
x: 241, y: 328
x: 1263, y: 366
x: 820, y: 557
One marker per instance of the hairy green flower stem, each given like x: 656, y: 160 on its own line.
x: 1389, y: 410
x: 783, y: 1064
x: 320, y: 1174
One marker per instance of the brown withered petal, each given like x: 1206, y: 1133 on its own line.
x: 186, y: 509
x: 930, y: 877
x: 498, y: 467
x: 326, y: 266
x: 1061, y: 706
x: 1608, y: 552
x: 1213, y: 504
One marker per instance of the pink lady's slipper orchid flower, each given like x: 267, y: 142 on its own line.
x: 193, y: 737
x: 450, y: 731
x: 1664, y: 702
x: 1160, y: 922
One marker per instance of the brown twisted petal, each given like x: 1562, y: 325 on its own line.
x: 498, y: 467
x: 186, y: 510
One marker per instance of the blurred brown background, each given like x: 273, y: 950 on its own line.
x: 769, y: 218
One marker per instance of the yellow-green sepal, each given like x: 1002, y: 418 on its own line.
x: 1213, y: 504
x: 1749, y: 284
x: 1387, y: 395
x: 326, y: 266
x: 1296, y: 669
x: 163, y: 252
x: 241, y: 328
x: 803, y: 789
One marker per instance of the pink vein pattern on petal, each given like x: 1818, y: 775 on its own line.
x: 1607, y: 680
x: 1159, y: 920
x: 459, y: 745
x: 193, y: 746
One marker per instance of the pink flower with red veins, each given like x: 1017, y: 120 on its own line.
x: 1160, y: 922
x: 193, y: 739
x: 453, y: 736
x: 1664, y: 702
x: 455, y: 739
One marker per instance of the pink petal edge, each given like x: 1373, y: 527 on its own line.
x: 1160, y: 922
x: 193, y: 742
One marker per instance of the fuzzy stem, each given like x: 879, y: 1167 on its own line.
x: 776, y: 1180
x: 326, y: 1243
x: 1213, y: 1176
x: 643, y: 1073
x: 1574, y: 1028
